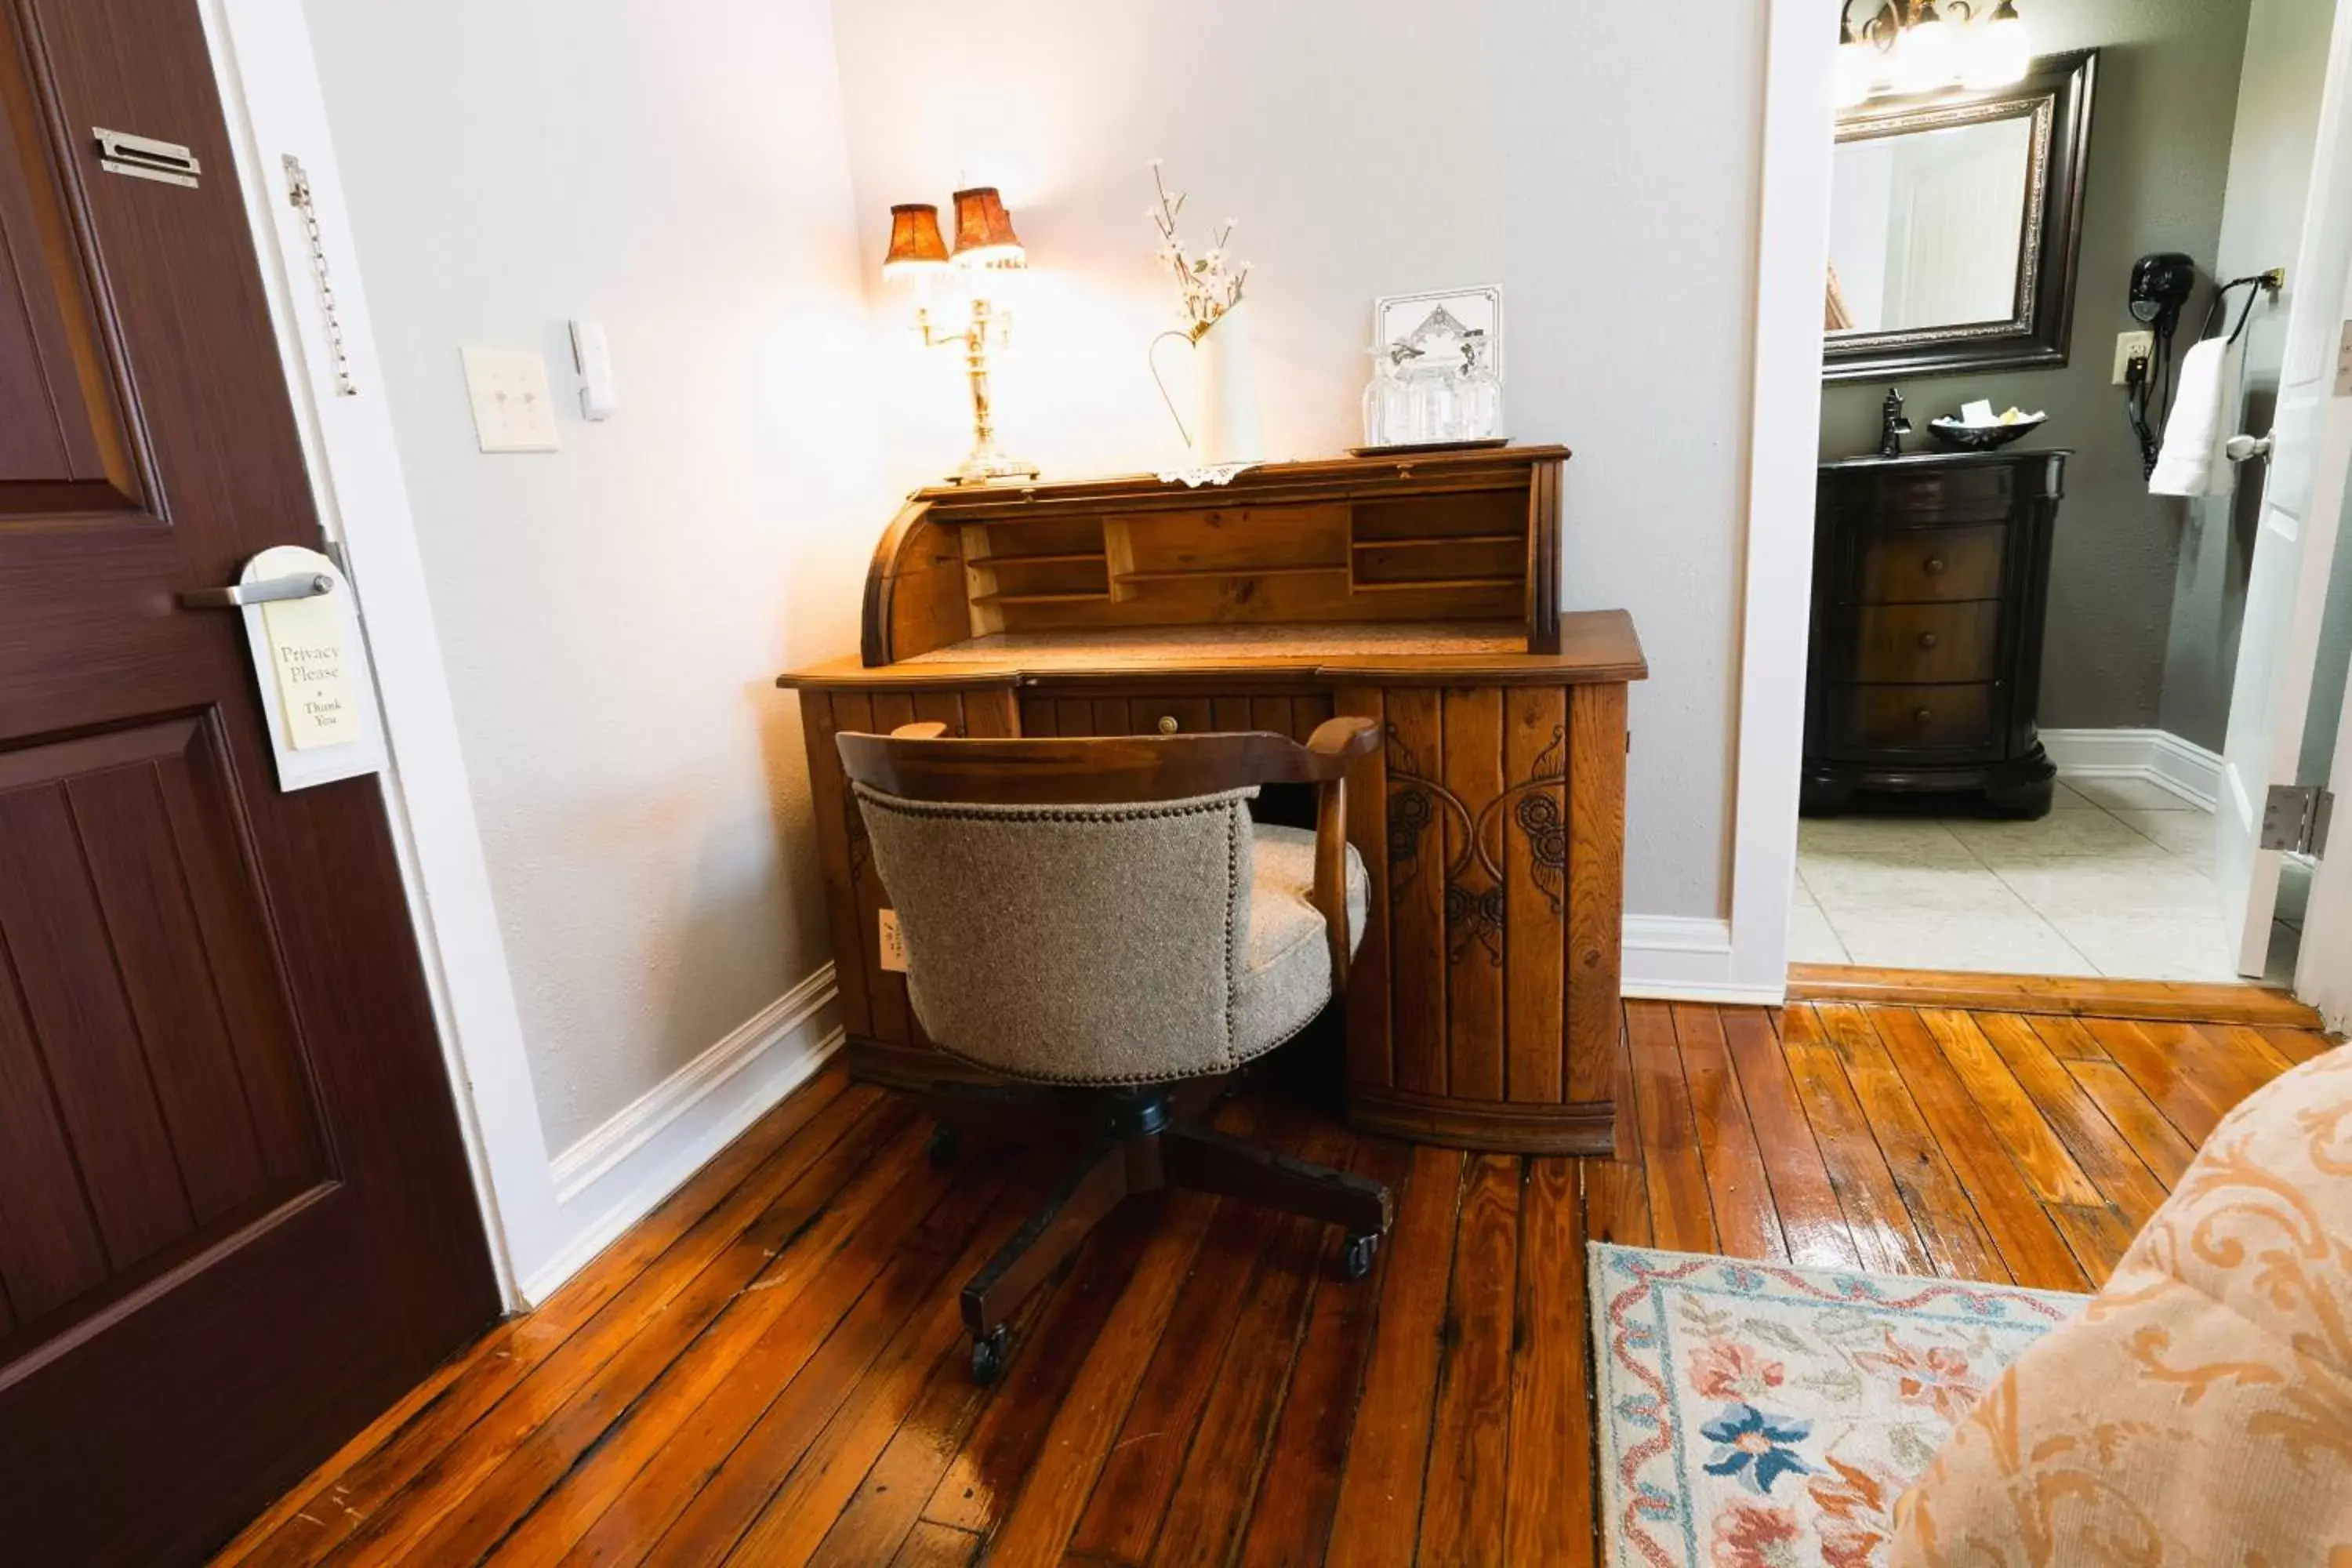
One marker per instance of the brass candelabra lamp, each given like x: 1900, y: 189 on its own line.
x: 985, y: 245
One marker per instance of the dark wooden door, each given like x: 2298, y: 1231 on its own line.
x: 234, y: 1213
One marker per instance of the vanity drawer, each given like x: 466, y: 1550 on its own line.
x: 1919, y: 718
x: 1929, y: 565
x: 1049, y: 711
x: 1917, y: 644
x: 1956, y: 494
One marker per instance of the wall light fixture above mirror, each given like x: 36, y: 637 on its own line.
x: 1909, y: 46
x: 1954, y: 220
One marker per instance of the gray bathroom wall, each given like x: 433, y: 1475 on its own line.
x: 2161, y: 119
x: 2262, y: 221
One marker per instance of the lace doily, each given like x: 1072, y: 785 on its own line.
x: 1203, y: 474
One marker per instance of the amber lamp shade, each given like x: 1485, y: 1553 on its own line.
x: 984, y: 230
x: 914, y: 243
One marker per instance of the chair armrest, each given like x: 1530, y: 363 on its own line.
x: 1335, y: 743
x: 1343, y: 740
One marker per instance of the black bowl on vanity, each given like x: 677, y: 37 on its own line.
x: 1931, y: 578
x: 1982, y: 438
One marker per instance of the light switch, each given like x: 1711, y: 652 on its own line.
x: 592, y: 356
x: 512, y: 410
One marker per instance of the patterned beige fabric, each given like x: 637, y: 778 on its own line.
x: 1105, y: 945
x: 2200, y: 1411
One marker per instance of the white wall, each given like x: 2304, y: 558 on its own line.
x: 613, y: 615
x: 1603, y: 172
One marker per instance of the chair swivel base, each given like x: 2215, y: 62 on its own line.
x: 1137, y: 1146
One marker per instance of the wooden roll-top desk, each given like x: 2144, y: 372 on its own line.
x: 1420, y: 591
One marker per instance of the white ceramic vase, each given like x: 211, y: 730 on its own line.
x: 1226, y: 422
x: 1213, y: 392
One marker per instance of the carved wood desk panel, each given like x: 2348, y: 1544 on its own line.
x: 1482, y: 1010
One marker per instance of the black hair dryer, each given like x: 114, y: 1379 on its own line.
x: 2160, y: 286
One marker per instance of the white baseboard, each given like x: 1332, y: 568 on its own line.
x: 613, y: 1177
x: 1681, y: 958
x: 2159, y: 756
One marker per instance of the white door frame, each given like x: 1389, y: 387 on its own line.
x: 273, y: 103
x: 1799, y: 128
x: 1784, y: 445
x: 2323, y: 966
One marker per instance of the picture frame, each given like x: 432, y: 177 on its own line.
x: 1396, y: 317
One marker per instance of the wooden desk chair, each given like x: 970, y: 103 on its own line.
x: 1104, y: 916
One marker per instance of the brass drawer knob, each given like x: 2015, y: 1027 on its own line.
x: 1923, y: 715
x: 1928, y: 639
x: 1935, y: 566
x: 1167, y: 723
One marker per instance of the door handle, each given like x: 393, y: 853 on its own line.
x: 237, y: 596
x: 2238, y: 449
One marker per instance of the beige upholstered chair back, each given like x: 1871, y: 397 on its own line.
x: 1079, y: 942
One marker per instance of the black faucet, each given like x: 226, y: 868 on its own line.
x: 1893, y: 426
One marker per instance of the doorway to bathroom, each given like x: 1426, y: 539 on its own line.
x: 2046, y: 704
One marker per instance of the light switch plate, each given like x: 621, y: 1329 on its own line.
x: 512, y: 410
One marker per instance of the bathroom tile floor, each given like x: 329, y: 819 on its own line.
x: 2116, y: 881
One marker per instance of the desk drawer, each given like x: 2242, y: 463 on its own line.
x: 1929, y: 565
x: 1919, y: 644
x: 1048, y: 710
x: 1919, y: 718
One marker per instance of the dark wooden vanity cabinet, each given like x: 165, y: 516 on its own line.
x: 1931, y: 576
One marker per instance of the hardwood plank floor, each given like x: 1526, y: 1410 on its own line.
x: 770, y: 1368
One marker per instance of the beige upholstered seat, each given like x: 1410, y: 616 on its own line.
x: 1289, y: 978
x: 1101, y: 915
x: 1108, y: 943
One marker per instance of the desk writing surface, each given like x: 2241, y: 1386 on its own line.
x: 1595, y: 646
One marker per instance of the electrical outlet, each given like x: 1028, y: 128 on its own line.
x: 2130, y: 346
x: 512, y: 410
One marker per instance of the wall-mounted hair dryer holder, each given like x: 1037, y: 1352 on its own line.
x: 2160, y: 286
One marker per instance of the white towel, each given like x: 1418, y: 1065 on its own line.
x: 2204, y: 417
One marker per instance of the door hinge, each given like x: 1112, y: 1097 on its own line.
x: 2296, y: 818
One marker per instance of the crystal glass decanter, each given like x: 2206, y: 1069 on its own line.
x: 1482, y: 392
x: 1389, y: 400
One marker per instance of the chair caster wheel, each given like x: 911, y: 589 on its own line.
x: 1356, y: 1256
x: 942, y: 1150
x: 988, y: 1354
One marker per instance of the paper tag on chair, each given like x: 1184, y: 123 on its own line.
x: 894, y: 946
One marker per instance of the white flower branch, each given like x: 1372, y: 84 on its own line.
x: 1207, y: 285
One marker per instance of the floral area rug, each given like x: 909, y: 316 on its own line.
x: 1754, y: 1416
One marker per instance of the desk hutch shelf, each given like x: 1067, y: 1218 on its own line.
x: 1420, y: 591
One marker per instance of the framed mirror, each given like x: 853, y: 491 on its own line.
x: 1955, y: 222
